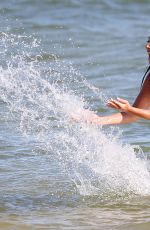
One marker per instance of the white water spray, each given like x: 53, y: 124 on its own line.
x: 43, y: 98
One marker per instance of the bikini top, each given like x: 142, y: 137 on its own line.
x: 145, y: 75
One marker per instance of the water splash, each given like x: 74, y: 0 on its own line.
x: 42, y: 96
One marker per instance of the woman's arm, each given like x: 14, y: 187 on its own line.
x: 124, y: 105
x: 114, y: 119
x: 142, y: 113
x: 130, y: 113
x: 140, y: 106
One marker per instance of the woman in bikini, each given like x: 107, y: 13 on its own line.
x: 128, y: 113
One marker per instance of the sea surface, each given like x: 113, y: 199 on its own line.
x: 60, y: 58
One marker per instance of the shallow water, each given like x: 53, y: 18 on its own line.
x: 57, y: 58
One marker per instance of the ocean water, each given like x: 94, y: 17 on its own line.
x: 59, y: 58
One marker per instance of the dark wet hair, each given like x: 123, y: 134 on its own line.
x: 148, y: 39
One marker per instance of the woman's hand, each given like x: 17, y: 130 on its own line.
x: 119, y: 104
x: 86, y: 116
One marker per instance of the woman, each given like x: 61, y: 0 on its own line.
x: 128, y: 113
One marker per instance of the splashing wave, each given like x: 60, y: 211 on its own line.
x: 42, y: 96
